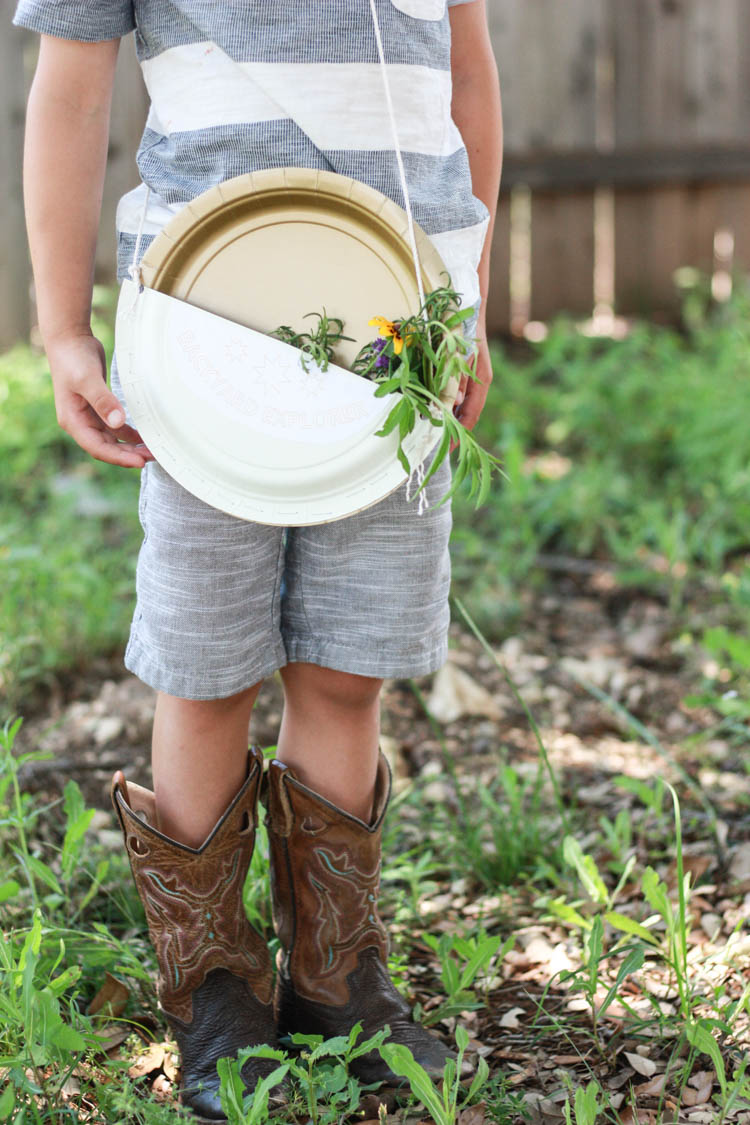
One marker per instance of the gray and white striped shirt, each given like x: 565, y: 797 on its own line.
x: 240, y: 85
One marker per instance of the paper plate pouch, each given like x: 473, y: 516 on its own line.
x: 228, y: 409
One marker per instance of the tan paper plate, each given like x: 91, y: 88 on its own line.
x: 258, y: 251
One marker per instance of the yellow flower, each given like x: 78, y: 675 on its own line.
x: 388, y: 328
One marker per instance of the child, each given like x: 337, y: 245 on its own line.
x: 223, y: 603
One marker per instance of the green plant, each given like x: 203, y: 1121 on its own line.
x: 419, y: 357
x: 618, y: 834
x: 605, y: 461
x: 319, y: 1072
x: 406, y: 881
x: 319, y: 345
x: 463, y: 961
x: 64, y: 598
x: 443, y: 1104
x: 588, y: 979
x: 587, y: 1106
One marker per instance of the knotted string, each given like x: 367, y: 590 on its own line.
x: 134, y: 269
x: 418, y: 472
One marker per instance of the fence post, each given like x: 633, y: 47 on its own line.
x: 15, y: 271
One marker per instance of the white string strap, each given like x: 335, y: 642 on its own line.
x: 418, y: 472
x: 134, y: 269
x: 399, y: 158
x: 418, y: 469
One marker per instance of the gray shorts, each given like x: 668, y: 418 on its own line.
x: 222, y: 602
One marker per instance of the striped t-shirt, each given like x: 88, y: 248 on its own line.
x: 241, y: 85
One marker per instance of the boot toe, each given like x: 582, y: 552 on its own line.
x: 203, y: 1100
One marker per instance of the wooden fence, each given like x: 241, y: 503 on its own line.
x: 628, y: 155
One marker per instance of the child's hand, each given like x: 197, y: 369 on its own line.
x: 86, y: 408
x: 472, y: 393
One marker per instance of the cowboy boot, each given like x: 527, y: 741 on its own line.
x: 214, y: 969
x: 325, y: 875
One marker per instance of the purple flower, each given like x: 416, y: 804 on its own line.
x: 382, y: 363
x: 379, y: 343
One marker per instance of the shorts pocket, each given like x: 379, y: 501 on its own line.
x: 421, y: 9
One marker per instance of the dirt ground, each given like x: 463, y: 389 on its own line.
x: 582, y: 628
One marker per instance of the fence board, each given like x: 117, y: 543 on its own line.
x: 498, y: 302
x: 15, y: 270
x: 562, y: 254
x: 681, y: 80
x: 562, y: 87
x: 671, y: 142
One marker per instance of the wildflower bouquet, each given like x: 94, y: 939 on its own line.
x: 421, y: 357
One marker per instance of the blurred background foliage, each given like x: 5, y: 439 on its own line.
x: 632, y: 450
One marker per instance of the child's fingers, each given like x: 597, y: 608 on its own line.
x: 95, y: 391
x: 471, y: 408
x: 127, y: 433
x: 88, y: 431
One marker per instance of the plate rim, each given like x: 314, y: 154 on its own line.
x: 154, y: 263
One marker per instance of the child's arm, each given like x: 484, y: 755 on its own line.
x: 65, y: 154
x: 477, y: 112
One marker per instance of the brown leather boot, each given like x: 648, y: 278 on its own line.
x: 215, y: 971
x: 325, y: 875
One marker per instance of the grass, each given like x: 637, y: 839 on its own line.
x: 635, y: 452
x: 72, y: 925
x: 64, y: 597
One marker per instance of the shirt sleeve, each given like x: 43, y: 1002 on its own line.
x: 88, y: 21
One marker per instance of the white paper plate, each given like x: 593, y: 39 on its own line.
x: 227, y: 409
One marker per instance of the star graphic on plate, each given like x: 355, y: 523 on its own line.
x: 314, y: 378
x: 273, y: 375
x: 235, y: 351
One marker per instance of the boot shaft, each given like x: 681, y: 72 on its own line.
x: 325, y: 878
x: 193, y: 896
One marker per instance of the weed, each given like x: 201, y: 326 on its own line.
x: 444, y: 1103
x: 589, y: 1102
x: 463, y: 961
x: 321, y: 1083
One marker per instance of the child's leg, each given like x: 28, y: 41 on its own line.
x: 329, y: 733
x: 199, y: 760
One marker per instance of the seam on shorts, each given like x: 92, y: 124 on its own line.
x: 301, y: 588
x: 275, y: 597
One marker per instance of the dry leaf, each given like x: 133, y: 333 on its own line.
x: 654, y: 1088
x: 111, y: 999
x: 641, y: 1065
x: 112, y: 1035
x: 171, y: 1066
x: 161, y: 1087
x: 739, y: 868
x: 71, y: 1087
x: 510, y: 1019
x: 455, y: 693
x: 474, y: 1115
x: 147, y: 1063
x: 710, y: 924
x: 703, y: 1081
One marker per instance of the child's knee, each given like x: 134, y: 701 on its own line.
x: 310, y: 684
